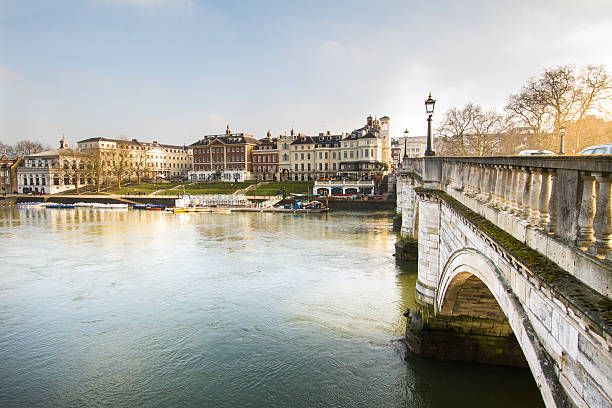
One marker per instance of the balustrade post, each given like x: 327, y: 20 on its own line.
x: 467, y: 170
x: 478, y: 179
x: 552, y: 204
x: 544, y: 200
x: 534, y: 196
x: 526, y: 208
x: 484, y: 184
x: 513, y: 189
x: 499, y: 175
x: 587, y: 213
x: 602, y: 222
x: 506, y: 185
x: 520, y: 187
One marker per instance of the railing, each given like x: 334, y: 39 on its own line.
x: 340, y: 183
x: 567, y: 197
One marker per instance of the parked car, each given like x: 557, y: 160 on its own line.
x: 598, y: 149
x: 536, y: 153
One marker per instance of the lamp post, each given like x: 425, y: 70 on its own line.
x: 429, y: 109
x: 406, y: 144
x: 562, y: 147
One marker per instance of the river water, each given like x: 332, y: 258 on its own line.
x: 142, y: 308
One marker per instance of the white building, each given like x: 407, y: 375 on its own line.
x: 52, y: 171
x: 160, y: 160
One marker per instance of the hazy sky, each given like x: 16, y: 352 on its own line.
x: 173, y: 70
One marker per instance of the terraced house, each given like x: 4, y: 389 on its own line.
x: 153, y: 160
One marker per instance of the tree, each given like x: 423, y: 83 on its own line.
x: 139, y: 164
x: 96, y: 167
x: 471, y: 132
x: 119, y: 163
x: 6, y: 151
x: 27, y: 147
x: 73, y: 170
x: 559, y: 95
x: 595, y: 86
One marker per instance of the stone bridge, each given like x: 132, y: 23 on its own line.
x: 514, y: 267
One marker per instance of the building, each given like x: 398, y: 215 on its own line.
x: 224, y: 157
x: 412, y: 146
x: 8, y: 175
x: 265, y: 159
x: 52, y: 171
x: 359, y: 155
x: 151, y: 160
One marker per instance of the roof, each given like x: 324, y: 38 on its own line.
x: 131, y: 142
x: 57, y: 152
x: 303, y: 140
x: 232, y: 139
x: 97, y: 139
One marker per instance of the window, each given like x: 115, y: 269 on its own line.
x: 333, y: 155
x: 285, y: 157
x: 308, y: 166
x: 326, y: 166
x: 308, y: 156
x: 345, y: 154
x: 302, y: 155
x: 321, y: 155
x: 366, y: 153
x: 296, y: 156
x: 321, y: 166
x: 325, y: 155
x: 302, y: 166
x: 296, y: 167
x: 351, y: 154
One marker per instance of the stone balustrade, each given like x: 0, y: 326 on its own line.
x: 568, y: 197
x: 563, y: 199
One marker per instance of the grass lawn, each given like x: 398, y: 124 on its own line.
x: 144, y: 188
x: 291, y: 187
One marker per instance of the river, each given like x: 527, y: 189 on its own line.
x: 143, y: 308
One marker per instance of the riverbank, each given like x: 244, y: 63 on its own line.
x: 333, y: 203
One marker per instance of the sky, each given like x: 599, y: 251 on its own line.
x: 175, y: 70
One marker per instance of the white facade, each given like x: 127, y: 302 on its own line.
x: 47, y: 172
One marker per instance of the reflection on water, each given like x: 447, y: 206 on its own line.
x: 125, y: 308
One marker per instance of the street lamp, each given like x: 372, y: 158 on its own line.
x: 429, y: 109
x: 405, y: 143
x: 562, y: 133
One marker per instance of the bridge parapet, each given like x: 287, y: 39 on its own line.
x: 559, y: 206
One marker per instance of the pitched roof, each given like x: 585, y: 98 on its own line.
x: 57, y: 152
x: 232, y: 139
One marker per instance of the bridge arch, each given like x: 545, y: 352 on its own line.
x: 469, y: 269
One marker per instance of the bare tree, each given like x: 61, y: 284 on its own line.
x: 559, y: 95
x: 6, y: 150
x: 471, y: 132
x: 73, y: 170
x: 529, y: 109
x: 595, y: 85
x: 96, y: 167
x: 27, y: 147
x: 119, y: 163
x: 140, y: 163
